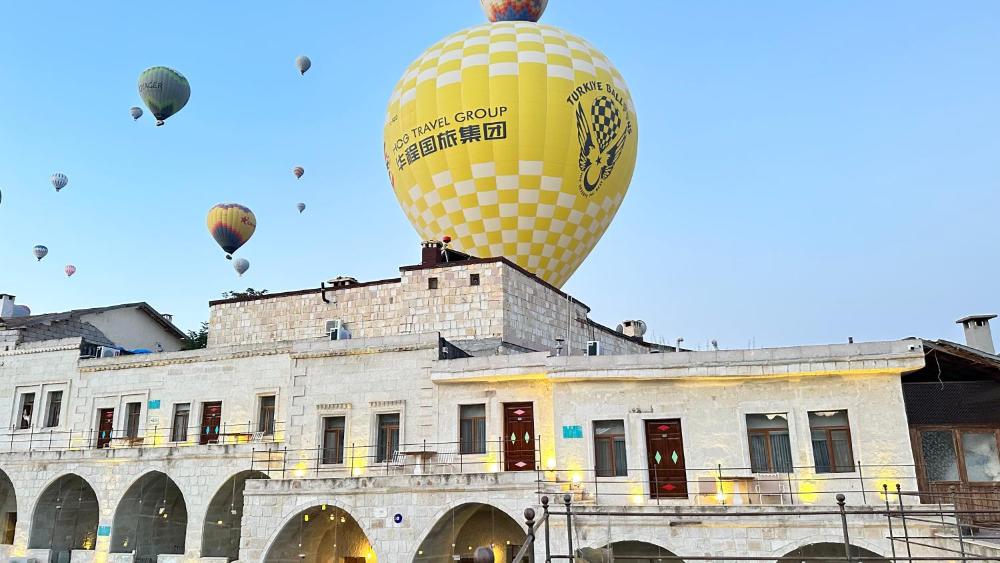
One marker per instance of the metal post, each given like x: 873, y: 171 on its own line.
x: 545, y: 511
x: 843, y: 524
x: 352, y: 459
x: 902, y: 515
x: 888, y: 517
x: 958, y: 524
x: 318, y: 459
x: 529, y: 520
x: 861, y: 478
x: 284, y: 461
x: 567, y: 500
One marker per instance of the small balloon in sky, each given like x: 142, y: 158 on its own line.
x: 303, y: 64
x: 513, y: 10
x: 298, y: 171
x: 231, y: 225
x: 40, y: 251
x: 164, y: 91
x: 59, y: 181
x: 241, y: 265
x: 70, y: 270
x: 135, y: 112
x: 301, y: 207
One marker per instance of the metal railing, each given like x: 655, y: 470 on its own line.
x: 941, y: 518
x: 225, y: 433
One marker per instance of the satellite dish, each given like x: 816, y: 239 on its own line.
x: 640, y: 328
x: 620, y: 328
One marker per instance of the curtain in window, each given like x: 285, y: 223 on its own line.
x: 821, y: 453
x: 621, y: 464
x: 758, y: 453
x: 602, y: 457
x: 781, y: 452
x: 843, y: 457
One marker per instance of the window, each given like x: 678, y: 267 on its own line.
x: 831, y: 441
x: 27, y: 409
x: 54, y: 409
x: 609, y: 448
x: 474, y: 279
x: 132, y: 411
x: 432, y: 283
x: 979, y: 450
x: 770, y: 449
x: 940, y: 458
x: 472, y: 429
x: 388, y: 437
x: 333, y: 439
x: 265, y: 418
x: 182, y: 417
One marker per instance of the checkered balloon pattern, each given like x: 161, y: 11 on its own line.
x: 484, y: 139
x: 607, y: 121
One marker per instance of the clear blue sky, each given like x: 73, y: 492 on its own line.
x: 808, y: 171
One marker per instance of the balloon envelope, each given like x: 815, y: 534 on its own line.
x: 59, y: 181
x: 303, y: 64
x: 241, y: 265
x: 301, y: 207
x: 135, y: 112
x: 231, y: 225
x: 528, y: 159
x: 298, y: 171
x: 164, y: 91
x: 513, y: 10
x: 70, y: 270
x: 40, y: 251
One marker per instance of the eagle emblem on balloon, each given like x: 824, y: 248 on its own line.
x: 602, y: 141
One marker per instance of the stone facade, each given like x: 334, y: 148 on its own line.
x: 440, y: 485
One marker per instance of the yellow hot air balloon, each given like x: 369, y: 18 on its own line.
x: 231, y: 225
x: 515, y: 138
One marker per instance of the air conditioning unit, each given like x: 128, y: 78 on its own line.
x: 593, y: 348
x: 23, y: 560
x: 337, y: 330
x: 108, y: 352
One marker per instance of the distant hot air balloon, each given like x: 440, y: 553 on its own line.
x: 536, y: 156
x: 241, y: 265
x: 301, y: 207
x: 231, y: 226
x: 513, y: 10
x: 164, y: 91
x: 59, y: 181
x: 135, y: 112
x: 303, y: 64
x: 298, y: 171
x: 40, y: 251
x: 70, y: 270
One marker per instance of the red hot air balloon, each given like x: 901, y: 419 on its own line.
x: 298, y: 171
x: 70, y: 270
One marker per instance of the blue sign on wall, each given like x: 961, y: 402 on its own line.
x: 572, y: 432
x: 154, y: 404
x: 104, y: 530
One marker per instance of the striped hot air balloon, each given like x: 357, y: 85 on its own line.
x: 231, y: 225
x: 164, y: 91
x: 59, y: 181
x: 70, y: 270
x: 40, y: 251
x: 298, y: 171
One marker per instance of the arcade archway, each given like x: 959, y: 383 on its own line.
x: 65, y: 518
x: 8, y: 510
x: 220, y: 536
x: 151, y: 519
x: 321, y: 534
x: 458, y: 533
x: 833, y: 553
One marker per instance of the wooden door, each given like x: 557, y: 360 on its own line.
x: 105, y: 427
x: 665, y: 457
x: 519, y: 437
x: 211, y: 420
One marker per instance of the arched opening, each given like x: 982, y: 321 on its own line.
x: 151, y: 519
x: 321, y: 534
x: 458, y: 533
x: 220, y: 536
x: 630, y: 552
x: 833, y: 553
x: 65, y: 518
x: 8, y: 510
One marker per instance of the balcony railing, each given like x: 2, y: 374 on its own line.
x: 226, y: 433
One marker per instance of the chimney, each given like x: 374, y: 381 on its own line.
x: 431, y: 252
x: 6, y: 305
x: 977, y: 332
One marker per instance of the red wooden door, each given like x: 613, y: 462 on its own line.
x: 211, y: 420
x: 105, y: 427
x: 665, y: 456
x: 519, y: 437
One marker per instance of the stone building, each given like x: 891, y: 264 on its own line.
x: 415, y: 418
